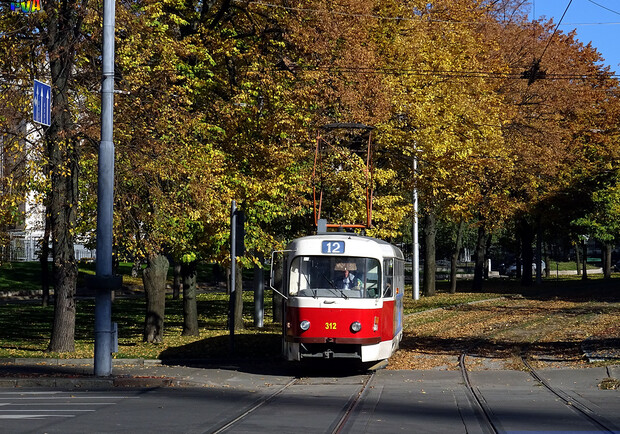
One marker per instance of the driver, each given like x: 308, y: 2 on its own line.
x: 348, y: 281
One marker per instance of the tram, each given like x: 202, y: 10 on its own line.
x: 343, y: 297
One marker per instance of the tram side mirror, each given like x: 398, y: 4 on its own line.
x: 277, y: 272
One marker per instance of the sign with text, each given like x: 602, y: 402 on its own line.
x: 42, y: 103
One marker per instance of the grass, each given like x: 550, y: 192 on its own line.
x: 25, y: 326
x: 20, y: 276
x: 570, y: 266
x: 28, y: 339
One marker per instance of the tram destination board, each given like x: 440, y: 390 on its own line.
x: 332, y: 247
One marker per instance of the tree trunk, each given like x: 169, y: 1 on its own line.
x: 546, y: 259
x: 63, y: 221
x: 154, y: 279
x: 519, y: 253
x: 430, y: 266
x: 607, y: 264
x: 190, y: 310
x: 584, y: 246
x: 481, y: 247
x: 178, y: 275
x: 578, y: 258
x: 538, y: 257
x: 44, y: 260
x: 61, y: 31
x: 136, y: 267
x: 527, y: 238
x: 455, y: 257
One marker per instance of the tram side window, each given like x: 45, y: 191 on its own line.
x: 388, y: 277
x: 300, y: 277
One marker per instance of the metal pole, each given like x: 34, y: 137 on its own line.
x: 233, y: 273
x: 416, y: 243
x: 103, y: 299
x: 259, y: 289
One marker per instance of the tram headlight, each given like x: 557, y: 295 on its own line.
x: 356, y: 327
x: 304, y: 325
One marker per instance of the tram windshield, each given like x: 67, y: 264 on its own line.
x: 329, y: 276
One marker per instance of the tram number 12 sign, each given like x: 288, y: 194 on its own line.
x: 42, y: 103
x: 332, y: 247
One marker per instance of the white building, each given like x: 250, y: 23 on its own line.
x: 26, y: 237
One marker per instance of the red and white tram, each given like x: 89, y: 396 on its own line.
x: 343, y: 297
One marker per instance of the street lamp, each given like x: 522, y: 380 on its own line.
x: 416, y: 243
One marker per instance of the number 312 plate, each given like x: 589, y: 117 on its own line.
x: 332, y: 247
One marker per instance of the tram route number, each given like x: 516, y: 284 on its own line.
x: 332, y: 247
x: 330, y: 326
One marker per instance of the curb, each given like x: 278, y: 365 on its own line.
x: 82, y: 362
x: 84, y: 380
x: 91, y: 383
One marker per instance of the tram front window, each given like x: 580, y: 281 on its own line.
x: 328, y: 276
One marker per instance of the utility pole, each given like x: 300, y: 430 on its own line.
x: 104, y: 281
x: 416, y: 243
x: 233, y: 275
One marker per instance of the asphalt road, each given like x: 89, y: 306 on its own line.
x: 386, y: 402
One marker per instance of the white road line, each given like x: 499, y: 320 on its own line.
x: 68, y: 397
x: 29, y: 393
x: 25, y: 404
x: 46, y: 409
x: 33, y: 416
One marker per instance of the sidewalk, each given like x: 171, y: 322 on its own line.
x: 137, y: 373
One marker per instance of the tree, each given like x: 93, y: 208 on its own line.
x: 154, y: 279
x: 61, y: 30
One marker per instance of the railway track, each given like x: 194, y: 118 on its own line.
x: 570, y: 401
x: 490, y: 422
x: 349, y: 404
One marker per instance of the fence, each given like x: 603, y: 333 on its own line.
x: 28, y: 248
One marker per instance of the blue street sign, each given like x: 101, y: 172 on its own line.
x: 42, y: 103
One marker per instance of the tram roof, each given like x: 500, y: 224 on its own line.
x: 362, y: 246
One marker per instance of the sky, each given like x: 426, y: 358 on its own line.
x: 596, y: 21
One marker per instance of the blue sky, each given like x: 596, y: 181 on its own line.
x: 597, y: 21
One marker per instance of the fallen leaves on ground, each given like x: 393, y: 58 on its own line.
x: 495, y: 334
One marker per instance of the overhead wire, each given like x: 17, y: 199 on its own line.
x: 419, y: 18
x: 555, y: 30
x: 604, y: 7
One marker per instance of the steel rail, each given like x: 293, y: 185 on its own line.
x: 571, y: 402
x: 491, y: 425
x: 254, y: 407
x: 353, y: 404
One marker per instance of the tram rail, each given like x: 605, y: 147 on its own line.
x: 570, y: 401
x: 338, y: 424
x: 353, y: 404
x: 265, y: 400
x: 488, y: 421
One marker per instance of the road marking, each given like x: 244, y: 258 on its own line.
x: 39, y: 405
x: 26, y: 398
x: 25, y: 404
x: 33, y: 416
x: 46, y: 409
x: 29, y: 393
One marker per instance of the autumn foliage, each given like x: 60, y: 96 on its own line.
x: 510, y: 120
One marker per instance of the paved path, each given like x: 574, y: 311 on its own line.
x: 272, y: 397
